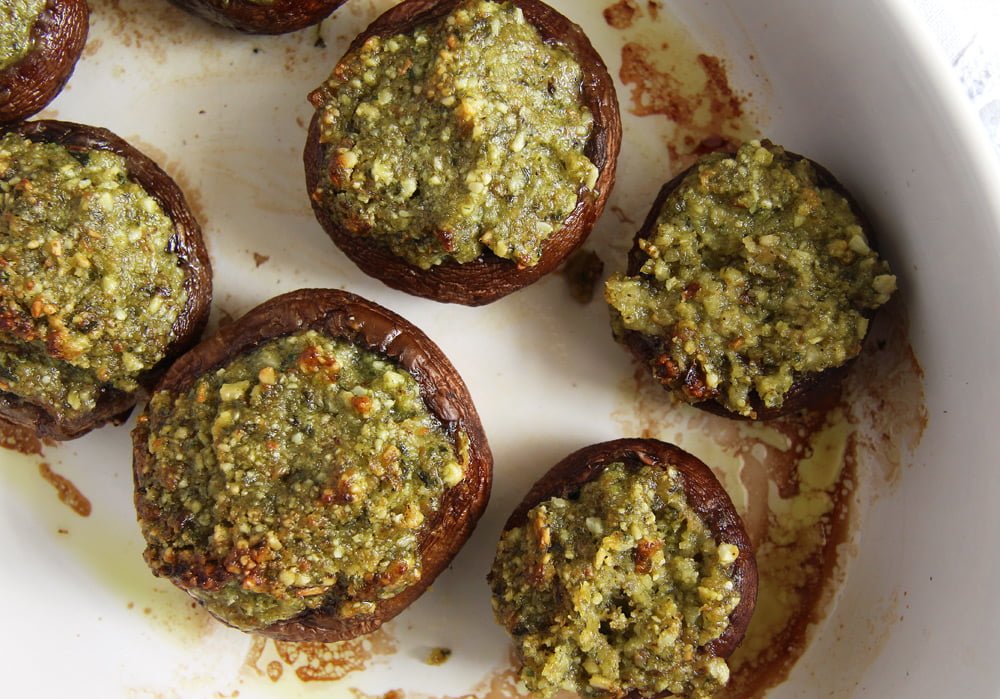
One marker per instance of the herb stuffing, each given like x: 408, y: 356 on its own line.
x: 90, y: 289
x: 296, y: 476
x: 754, y: 275
x: 463, y: 137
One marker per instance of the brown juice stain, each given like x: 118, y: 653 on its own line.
x: 92, y: 47
x: 885, y: 394
x: 668, y: 75
x: 19, y: 438
x: 159, y: 29
x: 68, y: 493
x: 698, y: 100
x: 317, y: 662
x: 152, y: 27
x: 622, y: 14
x: 794, y: 482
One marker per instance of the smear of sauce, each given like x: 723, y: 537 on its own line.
x: 68, y: 493
x: 317, y: 662
x: 793, y: 480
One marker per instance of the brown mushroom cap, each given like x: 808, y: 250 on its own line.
x: 490, y: 277
x: 342, y: 315
x: 113, y: 405
x: 705, y: 495
x: 59, y: 36
x: 279, y: 17
x: 809, y: 390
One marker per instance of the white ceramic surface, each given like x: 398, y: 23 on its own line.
x: 856, y: 84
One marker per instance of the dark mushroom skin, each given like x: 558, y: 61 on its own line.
x: 809, y: 391
x: 344, y: 316
x: 705, y: 495
x: 278, y: 17
x: 114, y: 405
x: 490, y: 277
x: 58, y: 39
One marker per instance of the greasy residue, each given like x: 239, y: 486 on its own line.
x: 885, y: 392
x: 667, y: 75
x: 500, y: 684
x: 68, y: 493
x: 314, y: 661
x: 793, y: 480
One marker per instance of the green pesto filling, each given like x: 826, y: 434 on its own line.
x: 463, y: 137
x: 617, y: 590
x: 17, y: 19
x: 89, y: 292
x: 298, y: 475
x: 755, y: 275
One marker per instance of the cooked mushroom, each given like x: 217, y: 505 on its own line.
x: 307, y: 472
x: 751, y: 284
x: 625, y: 571
x: 106, y: 277
x: 262, y: 16
x: 475, y: 158
x: 43, y: 40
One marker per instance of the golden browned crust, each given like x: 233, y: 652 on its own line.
x: 344, y: 316
x: 113, y: 405
x: 59, y: 36
x: 490, y: 277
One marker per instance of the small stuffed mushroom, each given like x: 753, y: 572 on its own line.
x: 751, y: 285
x: 105, y: 277
x: 462, y: 149
x: 625, y: 571
x: 40, y: 43
x: 262, y: 16
x: 307, y: 473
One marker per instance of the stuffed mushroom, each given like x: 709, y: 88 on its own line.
x: 462, y: 149
x: 751, y: 285
x: 306, y: 473
x: 105, y: 276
